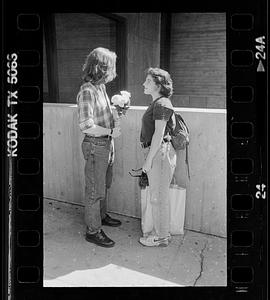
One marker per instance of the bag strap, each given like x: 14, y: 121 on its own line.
x: 158, y: 98
x: 78, y: 96
x: 187, y: 161
x: 173, y: 181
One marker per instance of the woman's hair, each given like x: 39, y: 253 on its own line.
x: 163, y: 79
x: 99, y: 66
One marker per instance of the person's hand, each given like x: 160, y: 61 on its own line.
x: 116, y: 132
x: 147, y: 166
x: 121, y: 110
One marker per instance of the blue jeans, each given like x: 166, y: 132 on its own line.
x: 98, y: 155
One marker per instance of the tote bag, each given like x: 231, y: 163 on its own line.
x: 146, y: 211
x: 177, y: 209
x: 177, y: 202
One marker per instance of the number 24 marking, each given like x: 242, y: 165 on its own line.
x: 258, y: 193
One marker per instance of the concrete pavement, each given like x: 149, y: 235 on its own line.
x: 192, y: 259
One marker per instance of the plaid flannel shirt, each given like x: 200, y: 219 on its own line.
x: 94, y: 107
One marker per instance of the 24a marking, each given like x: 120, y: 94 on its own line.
x: 261, y: 54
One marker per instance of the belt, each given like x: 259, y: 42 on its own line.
x: 98, y: 137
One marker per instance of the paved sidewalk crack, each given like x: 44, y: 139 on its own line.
x: 201, y: 264
x: 178, y: 248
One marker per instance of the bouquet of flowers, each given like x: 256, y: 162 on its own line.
x: 121, y: 102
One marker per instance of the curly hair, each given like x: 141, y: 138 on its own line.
x: 99, y: 66
x: 163, y: 79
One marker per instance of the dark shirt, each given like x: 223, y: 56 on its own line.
x: 159, y: 109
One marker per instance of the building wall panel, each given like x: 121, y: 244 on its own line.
x: 63, y: 164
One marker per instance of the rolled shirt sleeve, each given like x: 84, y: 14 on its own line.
x: 85, y: 102
x: 163, y: 110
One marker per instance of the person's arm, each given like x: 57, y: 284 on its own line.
x: 157, y: 138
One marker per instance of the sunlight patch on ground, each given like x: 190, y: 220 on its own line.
x: 110, y: 275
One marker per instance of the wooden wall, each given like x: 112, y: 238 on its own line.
x: 143, y: 51
x: 197, y: 54
x: 198, y: 59
x: 206, y: 191
x: 76, y: 35
x: 45, y: 74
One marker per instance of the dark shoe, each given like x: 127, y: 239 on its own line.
x: 110, y: 221
x: 100, y: 239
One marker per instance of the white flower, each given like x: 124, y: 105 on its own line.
x: 118, y: 100
x: 121, y: 100
x: 125, y: 94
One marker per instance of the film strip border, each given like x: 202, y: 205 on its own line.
x: 24, y: 153
x: 246, y: 125
x: 246, y: 101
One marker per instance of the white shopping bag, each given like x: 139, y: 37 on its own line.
x: 146, y: 211
x: 177, y: 201
x: 177, y: 209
